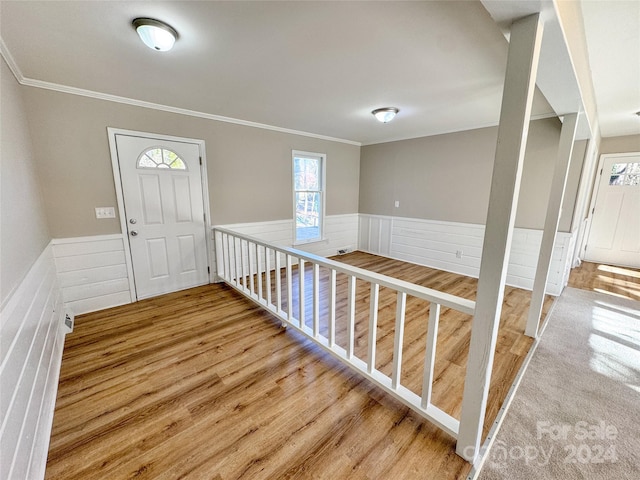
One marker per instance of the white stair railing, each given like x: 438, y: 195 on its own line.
x: 251, y: 266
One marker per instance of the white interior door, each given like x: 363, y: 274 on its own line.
x: 164, y: 210
x: 614, y: 236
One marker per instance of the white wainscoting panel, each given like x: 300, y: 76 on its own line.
x: 340, y: 232
x: 374, y: 234
x: 457, y: 247
x: 437, y: 242
x: 31, y: 343
x: 92, y: 272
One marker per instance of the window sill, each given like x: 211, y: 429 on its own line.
x: 308, y: 242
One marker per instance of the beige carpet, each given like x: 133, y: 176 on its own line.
x: 576, y: 414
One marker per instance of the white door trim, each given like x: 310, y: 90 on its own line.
x: 115, y: 166
x: 594, y: 195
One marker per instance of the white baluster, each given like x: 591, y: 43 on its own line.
x: 351, y: 315
x: 373, y: 326
x: 401, y: 305
x: 430, y: 354
x: 316, y: 299
x: 301, y: 291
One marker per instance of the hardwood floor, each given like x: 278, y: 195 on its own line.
x: 620, y: 281
x: 201, y: 384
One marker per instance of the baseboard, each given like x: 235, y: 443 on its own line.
x: 32, y: 341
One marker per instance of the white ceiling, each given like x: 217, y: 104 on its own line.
x: 317, y: 67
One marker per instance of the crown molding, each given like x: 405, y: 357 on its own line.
x: 11, y: 63
x: 30, y: 82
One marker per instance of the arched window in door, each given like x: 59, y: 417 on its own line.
x: 161, y: 158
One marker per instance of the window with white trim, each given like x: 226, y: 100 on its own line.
x: 308, y: 196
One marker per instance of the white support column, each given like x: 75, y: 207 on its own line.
x: 522, y: 63
x: 554, y: 208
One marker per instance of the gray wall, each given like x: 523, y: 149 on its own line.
x: 249, y: 169
x: 626, y: 144
x: 23, y: 228
x: 448, y: 177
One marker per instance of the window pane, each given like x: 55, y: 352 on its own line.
x: 632, y: 180
x: 634, y: 167
x: 146, y: 162
x: 616, y: 180
x: 307, y: 215
x: 178, y: 164
x: 155, y: 155
x: 306, y: 173
x: 618, y: 168
x: 169, y: 156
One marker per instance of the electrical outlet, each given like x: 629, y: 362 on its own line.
x: 105, y: 212
x: 458, y: 253
x: 69, y: 321
x: 397, y: 203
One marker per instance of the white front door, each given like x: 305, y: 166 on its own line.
x: 164, y: 210
x: 614, y: 236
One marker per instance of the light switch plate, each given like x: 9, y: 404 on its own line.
x: 105, y: 212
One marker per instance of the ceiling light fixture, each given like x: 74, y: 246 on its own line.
x: 155, y: 34
x: 386, y: 114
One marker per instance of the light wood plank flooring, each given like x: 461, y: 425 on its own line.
x: 620, y: 281
x: 201, y: 384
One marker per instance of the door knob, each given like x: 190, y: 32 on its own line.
x: 132, y: 221
x: 134, y: 233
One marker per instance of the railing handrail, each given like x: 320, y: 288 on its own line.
x: 457, y: 303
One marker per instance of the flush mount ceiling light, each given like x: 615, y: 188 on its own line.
x: 155, y: 34
x: 386, y: 114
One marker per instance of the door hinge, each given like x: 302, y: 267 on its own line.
x: 601, y: 171
x: 208, y: 270
x: 204, y: 216
x: 200, y: 160
x: 593, y: 210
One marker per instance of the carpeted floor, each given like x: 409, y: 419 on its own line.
x: 576, y: 414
